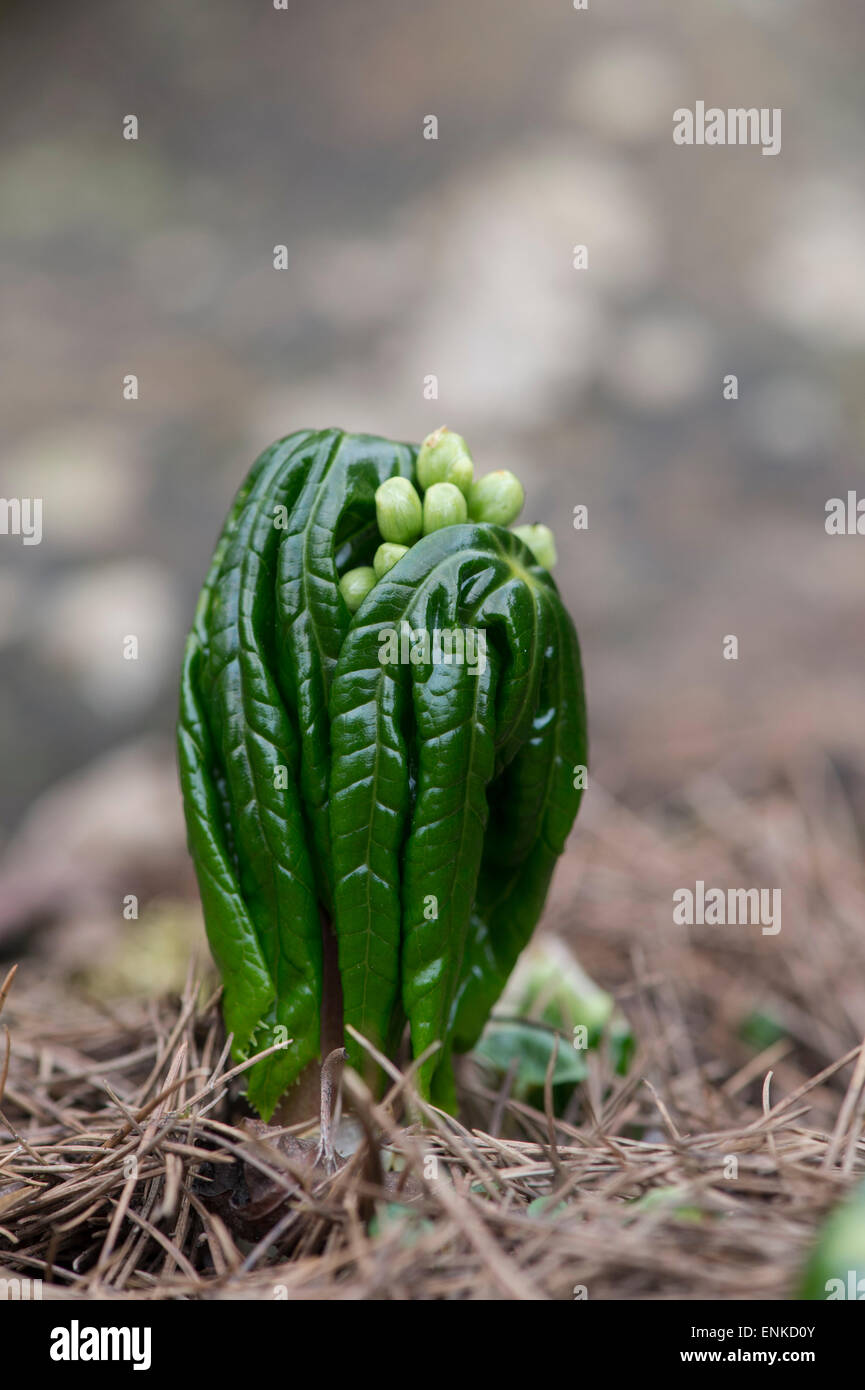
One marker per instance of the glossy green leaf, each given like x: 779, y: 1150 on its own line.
x: 254, y: 695
x: 417, y: 802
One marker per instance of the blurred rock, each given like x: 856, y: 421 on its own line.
x: 506, y: 320
x: 85, y: 622
x: 85, y: 474
x: 626, y: 92
x: 811, y: 276
x: 792, y: 419
x: 661, y: 362
x: 181, y: 269
x: 114, y: 829
x: 13, y: 622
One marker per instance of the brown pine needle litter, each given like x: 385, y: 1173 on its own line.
x: 130, y: 1167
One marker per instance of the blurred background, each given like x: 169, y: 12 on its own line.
x: 409, y: 257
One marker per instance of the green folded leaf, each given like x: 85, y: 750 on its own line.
x: 418, y: 804
x: 525, y: 1051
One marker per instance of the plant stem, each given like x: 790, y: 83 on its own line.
x: 331, y: 989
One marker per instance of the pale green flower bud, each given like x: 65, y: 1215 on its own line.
x: 541, y: 542
x: 355, y: 585
x: 460, y: 472
x: 496, y: 497
x: 444, y: 457
x: 386, y: 557
x: 398, y: 511
x: 443, y: 505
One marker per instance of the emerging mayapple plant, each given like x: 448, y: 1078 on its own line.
x: 375, y: 822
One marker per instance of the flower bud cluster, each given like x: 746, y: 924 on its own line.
x: 451, y: 497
